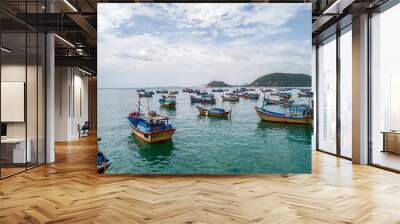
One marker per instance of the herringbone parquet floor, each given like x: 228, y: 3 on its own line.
x: 70, y: 191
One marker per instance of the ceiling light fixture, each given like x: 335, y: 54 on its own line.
x: 84, y: 71
x: 64, y: 40
x: 5, y: 50
x: 70, y: 5
x: 337, y: 7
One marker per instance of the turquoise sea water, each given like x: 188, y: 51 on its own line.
x: 241, y: 145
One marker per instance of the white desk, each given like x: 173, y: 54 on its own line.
x: 19, y: 154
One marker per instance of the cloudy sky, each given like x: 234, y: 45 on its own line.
x: 150, y: 45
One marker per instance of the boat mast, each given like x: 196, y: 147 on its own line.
x: 148, y: 106
x: 139, y: 106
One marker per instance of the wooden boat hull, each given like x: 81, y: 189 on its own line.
x: 169, y: 106
x: 226, y: 114
x: 232, y: 99
x: 204, y: 112
x: 203, y: 101
x: 154, y: 137
x: 145, y: 95
x: 270, y: 117
x: 251, y: 97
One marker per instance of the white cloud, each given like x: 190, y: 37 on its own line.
x: 149, y: 59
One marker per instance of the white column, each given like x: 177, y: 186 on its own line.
x: 360, y: 90
x: 50, y: 99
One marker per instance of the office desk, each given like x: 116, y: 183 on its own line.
x: 13, y: 150
x: 391, y: 141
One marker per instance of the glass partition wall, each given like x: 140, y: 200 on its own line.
x: 385, y: 89
x: 334, y: 94
x: 22, y: 66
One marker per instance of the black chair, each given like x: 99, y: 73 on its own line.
x: 84, y: 130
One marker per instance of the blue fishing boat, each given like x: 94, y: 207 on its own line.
x: 162, y: 91
x: 305, y: 94
x: 187, y: 90
x: 251, y: 96
x: 278, y: 102
x: 284, y: 95
x: 294, y: 114
x: 232, y: 98
x: 151, y: 128
x: 168, y: 101
x: 146, y: 94
x: 204, y: 98
x: 214, y: 112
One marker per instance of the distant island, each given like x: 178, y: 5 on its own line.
x: 283, y: 80
x: 217, y: 84
x: 277, y: 79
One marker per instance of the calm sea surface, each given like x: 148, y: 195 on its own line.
x: 201, y: 145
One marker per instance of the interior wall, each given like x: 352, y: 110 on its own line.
x: 71, y: 102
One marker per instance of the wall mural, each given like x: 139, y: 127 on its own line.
x: 204, y: 88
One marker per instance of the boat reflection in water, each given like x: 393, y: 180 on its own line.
x: 291, y: 132
x: 155, y: 153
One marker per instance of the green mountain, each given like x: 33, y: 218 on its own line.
x: 283, y: 80
x: 217, y: 84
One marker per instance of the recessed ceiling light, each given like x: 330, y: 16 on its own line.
x: 5, y: 50
x: 70, y: 5
x: 64, y: 40
x: 84, y: 71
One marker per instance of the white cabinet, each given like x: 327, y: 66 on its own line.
x: 19, y: 155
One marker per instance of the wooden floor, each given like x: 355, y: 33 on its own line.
x: 70, y: 191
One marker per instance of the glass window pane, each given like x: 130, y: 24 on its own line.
x: 346, y: 94
x: 327, y: 96
x: 385, y: 114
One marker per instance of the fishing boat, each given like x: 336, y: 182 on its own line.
x: 230, y: 98
x: 214, y: 112
x: 140, y: 90
x: 274, y: 93
x: 145, y: 94
x: 251, y: 96
x: 305, y: 94
x: 266, y: 90
x: 217, y: 90
x: 174, y: 92
x: 269, y: 101
x: 168, y: 101
x: 187, y: 90
x: 305, y: 90
x: 241, y: 90
x: 240, y: 94
x: 201, y: 93
x: 284, y: 95
x: 162, y: 91
x: 294, y: 114
x: 151, y: 128
x: 206, y: 99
